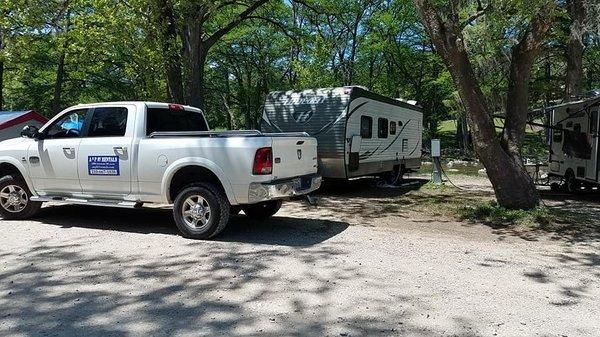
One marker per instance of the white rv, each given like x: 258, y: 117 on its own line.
x: 359, y: 132
x: 574, y: 143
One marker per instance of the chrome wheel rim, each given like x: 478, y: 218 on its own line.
x: 196, y: 212
x: 13, y: 198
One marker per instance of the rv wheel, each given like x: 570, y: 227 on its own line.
x: 571, y: 184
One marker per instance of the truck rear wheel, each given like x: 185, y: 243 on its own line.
x: 15, y: 203
x: 262, y: 210
x: 201, y: 211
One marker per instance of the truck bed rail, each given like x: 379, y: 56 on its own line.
x: 224, y: 134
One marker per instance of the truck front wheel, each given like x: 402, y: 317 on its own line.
x: 201, y: 211
x: 262, y: 210
x: 15, y: 203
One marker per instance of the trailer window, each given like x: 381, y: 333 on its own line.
x: 382, y: 127
x: 557, y: 134
x: 400, y: 123
x: 392, y: 128
x: 165, y: 119
x: 366, y: 126
x: 594, y: 122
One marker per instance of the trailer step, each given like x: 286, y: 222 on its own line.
x: 90, y: 202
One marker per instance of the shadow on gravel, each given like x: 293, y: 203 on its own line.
x: 368, y: 188
x: 54, y: 288
x: 279, y: 230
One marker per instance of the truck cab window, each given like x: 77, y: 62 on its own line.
x: 108, y: 122
x: 382, y: 127
x: 366, y: 126
x: 69, y: 126
x: 165, y: 120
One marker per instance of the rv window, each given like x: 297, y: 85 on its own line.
x: 392, y: 128
x: 577, y: 128
x: 382, y: 127
x: 399, y: 123
x: 404, y: 145
x: 594, y: 122
x: 366, y: 126
x: 557, y: 134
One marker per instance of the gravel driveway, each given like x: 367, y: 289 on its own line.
x: 112, y: 272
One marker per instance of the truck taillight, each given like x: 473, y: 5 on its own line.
x: 176, y: 107
x: 263, y: 161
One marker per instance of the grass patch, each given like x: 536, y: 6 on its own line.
x: 493, y: 214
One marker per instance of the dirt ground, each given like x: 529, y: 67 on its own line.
x: 366, y: 262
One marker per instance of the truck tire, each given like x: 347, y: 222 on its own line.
x: 262, y: 210
x: 14, y: 199
x: 201, y: 211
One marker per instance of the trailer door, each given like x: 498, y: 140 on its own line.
x: 592, y: 164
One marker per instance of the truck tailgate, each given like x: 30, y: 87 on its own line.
x: 294, y: 156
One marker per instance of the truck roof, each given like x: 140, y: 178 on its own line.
x: 147, y: 103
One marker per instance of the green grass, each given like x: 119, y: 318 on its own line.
x: 493, y: 214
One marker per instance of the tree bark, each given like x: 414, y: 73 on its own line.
x: 517, y: 102
x: 512, y: 185
x: 171, y: 50
x: 575, y: 48
x: 1, y: 85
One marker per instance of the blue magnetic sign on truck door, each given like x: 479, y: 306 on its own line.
x: 103, y: 165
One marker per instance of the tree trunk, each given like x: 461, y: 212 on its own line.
x: 462, y: 135
x: 1, y: 70
x: 60, y: 77
x: 171, y: 51
x: 512, y: 185
x: 1, y: 85
x: 575, y: 47
x: 194, y: 56
x: 227, y: 100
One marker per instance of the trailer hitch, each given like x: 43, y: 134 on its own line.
x: 311, y: 200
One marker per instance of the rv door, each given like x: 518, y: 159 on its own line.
x: 591, y: 170
x: 355, y: 143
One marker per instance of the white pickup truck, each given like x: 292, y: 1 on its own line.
x: 126, y: 154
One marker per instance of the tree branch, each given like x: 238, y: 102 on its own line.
x: 211, y: 40
x: 476, y: 15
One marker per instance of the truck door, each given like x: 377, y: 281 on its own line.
x: 52, y: 160
x: 104, y: 163
x: 591, y: 170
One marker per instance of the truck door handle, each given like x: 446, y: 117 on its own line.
x: 69, y: 149
x: 119, y: 150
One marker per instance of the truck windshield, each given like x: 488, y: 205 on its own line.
x: 165, y: 119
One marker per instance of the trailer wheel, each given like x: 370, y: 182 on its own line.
x: 15, y: 203
x: 262, y: 210
x: 571, y: 184
x: 201, y: 211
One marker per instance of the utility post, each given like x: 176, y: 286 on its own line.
x: 436, y: 175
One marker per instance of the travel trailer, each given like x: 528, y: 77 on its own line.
x: 574, y: 142
x: 359, y: 132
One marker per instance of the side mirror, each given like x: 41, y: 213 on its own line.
x: 30, y: 131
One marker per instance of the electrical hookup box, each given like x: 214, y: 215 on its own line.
x: 435, y: 148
